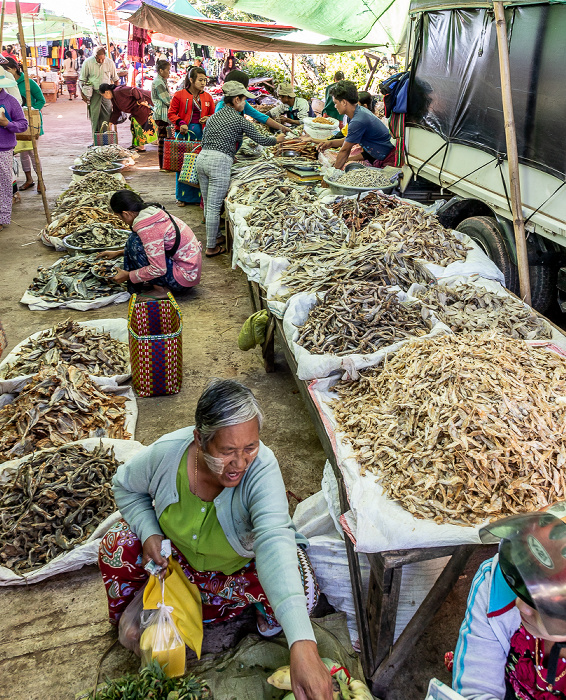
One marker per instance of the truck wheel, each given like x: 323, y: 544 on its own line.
x: 485, y: 232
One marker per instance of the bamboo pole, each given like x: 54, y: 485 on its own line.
x: 35, y: 47
x: 512, y: 154
x: 106, y: 26
x: 40, y: 183
x: 292, y: 69
x: 2, y: 21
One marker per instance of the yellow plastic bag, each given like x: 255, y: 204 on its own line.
x: 184, y: 599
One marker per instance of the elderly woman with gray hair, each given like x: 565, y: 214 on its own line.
x: 216, y: 491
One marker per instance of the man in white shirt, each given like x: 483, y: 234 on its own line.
x: 293, y: 110
x: 96, y: 70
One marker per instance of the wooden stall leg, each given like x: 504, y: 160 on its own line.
x: 389, y: 667
x: 382, y: 602
x: 268, y: 347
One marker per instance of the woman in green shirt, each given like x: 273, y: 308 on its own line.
x: 37, y: 102
x: 216, y: 491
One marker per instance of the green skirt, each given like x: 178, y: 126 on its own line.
x: 141, y: 137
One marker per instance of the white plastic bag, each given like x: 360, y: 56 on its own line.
x: 129, y: 627
x: 160, y: 640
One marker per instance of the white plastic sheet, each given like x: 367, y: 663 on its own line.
x: 86, y: 553
x: 117, y: 328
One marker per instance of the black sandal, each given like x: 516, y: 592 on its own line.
x: 220, y: 252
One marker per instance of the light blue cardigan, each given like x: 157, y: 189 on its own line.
x: 254, y: 516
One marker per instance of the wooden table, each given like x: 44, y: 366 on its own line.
x: 376, y: 615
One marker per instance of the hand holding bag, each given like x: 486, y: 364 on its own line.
x: 174, y: 152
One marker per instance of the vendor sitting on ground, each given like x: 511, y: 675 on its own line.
x: 216, y: 491
x: 512, y: 643
x: 161, y: 255
x: 244, y: 79
x: 294, y: 109
x: 364, y: 128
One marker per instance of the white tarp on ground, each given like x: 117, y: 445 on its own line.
x: 86, y: 553
x: 117, y: 328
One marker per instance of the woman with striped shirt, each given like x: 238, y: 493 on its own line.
x: 221, y: 139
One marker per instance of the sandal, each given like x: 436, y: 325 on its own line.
x: 26, y: 186
x: 271, y: 631
x: 221, y: 250
x: 221, y: 240
x: 181, y: 204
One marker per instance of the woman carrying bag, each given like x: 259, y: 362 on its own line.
x: 189, y: 110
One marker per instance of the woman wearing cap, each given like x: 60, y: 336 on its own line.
x: 12, y: 122
x: 216, y: 492
x: 294, y: 109
x: 243, y: 78
x: 512, y: 643
x: 222, y: 138
x: 189, y: 111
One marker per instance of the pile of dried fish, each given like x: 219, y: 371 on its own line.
x: 323, y: 120
x: 93, y: 183
x: 360, y: 317
x: 59, y: 405
x: 272, y: 192
x: 303, y: 148
x: 249, y: 150
x: 71, y: 277
x: 461, y: 428
x: 259, y: 170
x: 88, y: 349
x: 467, y: 307
x: 79, y: 218
x: 111, y: 152
x: 100, y: 236
x: 287, y: 231
x: 364, y: 177
x: 54, y: 502
x: 358, y: 212
x: 293, y: 161
x: 73, y: 202
x: 410, y: 232
x: 105, y: 269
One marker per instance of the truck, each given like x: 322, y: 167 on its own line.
x: 454, y: 131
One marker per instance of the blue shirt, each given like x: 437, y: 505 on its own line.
x: 370, y: 132
x: 249, y: 110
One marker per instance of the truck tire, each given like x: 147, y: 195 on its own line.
x: 485, y: 232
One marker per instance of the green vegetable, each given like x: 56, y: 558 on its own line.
x: 152, y: 684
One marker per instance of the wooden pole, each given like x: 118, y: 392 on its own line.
x: 35, y: 48
x: 106, y: 26
x: 62, y: 52
x: 2, y: 21
x: 40, y: 183
x: 292, y: 69
x: 512, y: 154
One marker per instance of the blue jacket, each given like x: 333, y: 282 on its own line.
x: 249, y: 110
x: 254, y: 516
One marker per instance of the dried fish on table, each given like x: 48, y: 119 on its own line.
x: 54, y: 502
x: 467, y: 307
x: 412, y: 233
x: 102, y: 236
x: 303, y: 149
x: 358, y: 212
x: 59, y: 405
x: 364, y: 177
x: 461, y: 428
x: 79, y: 218
x: 72, y: 277
x: 272, y: 192
x: 88, y: 349
x: 360, y: 317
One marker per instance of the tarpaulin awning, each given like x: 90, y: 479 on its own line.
x: 428, y: 5
x: 133, y: 5
x: 212, y: 33
x: 184, y: 7
x: 378, y: 22
x: 27, y: 8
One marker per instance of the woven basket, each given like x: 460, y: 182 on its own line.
x: 155, y: 328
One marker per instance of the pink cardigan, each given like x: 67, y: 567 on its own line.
x: 157, y: 234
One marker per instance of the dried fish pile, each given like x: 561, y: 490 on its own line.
x: 105, y: 269
x: 93, y: 183
x: 53, y: 503
x: 315, y: 269
x: 467, y: 307
x: 461, y: 428
x: 59, y: 405
x: 364, y: 177
x: 358, y: 212
x: 249, y: 150
x: 322, y: 120
x: 79, y: 218
x: 111, y: 152
x: 360, y: 317
x: 96, y: 159
x: 88, y: 349
x: 75, y: 201
x: 410, y: 232
x: 245, y: 172
x: 100, y: 236
x: 273, y: 192
x: 304, y: 149
x: 72, y: 278
x: 288, y: 230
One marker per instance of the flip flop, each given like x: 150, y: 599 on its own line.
x: 213, y: 255
x: 221, y: 240
x: 27, y: 186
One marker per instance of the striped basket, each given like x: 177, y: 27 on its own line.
x: 155, y: 328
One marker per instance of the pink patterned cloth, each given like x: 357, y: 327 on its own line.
x: 157, y: 233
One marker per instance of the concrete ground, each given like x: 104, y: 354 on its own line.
x: 52, y: 634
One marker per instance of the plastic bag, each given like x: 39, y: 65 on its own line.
x: 160, y: 640
x: 129, y: 627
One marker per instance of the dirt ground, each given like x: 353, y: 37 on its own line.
x: 52, y: 634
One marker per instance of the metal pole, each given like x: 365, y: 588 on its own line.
x: 40, y: 184
x: 512, y: 154
x: 106, y: 25
x: 2, y: 21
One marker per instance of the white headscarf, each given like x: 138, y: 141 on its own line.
x: 8, y: 83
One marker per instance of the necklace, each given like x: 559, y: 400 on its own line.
x: 537, y: 656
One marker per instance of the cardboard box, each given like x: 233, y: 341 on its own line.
x: 47, y: 87
x: 50, y: 97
